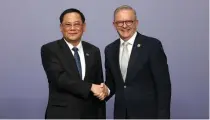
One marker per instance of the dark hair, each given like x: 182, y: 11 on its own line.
x: 70, y: 11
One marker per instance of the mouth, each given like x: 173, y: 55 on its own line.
x: 72, y: 34
x: 125, y: 30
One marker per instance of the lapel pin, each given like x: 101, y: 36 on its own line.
x: 138, y: 45
x: 87, y: 54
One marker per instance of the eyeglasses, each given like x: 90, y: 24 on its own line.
x: 69, y: 25
x: 127, y: 22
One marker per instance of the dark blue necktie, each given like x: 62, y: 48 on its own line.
x: 77, y: 59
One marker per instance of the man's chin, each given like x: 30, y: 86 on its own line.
x: 124, y: 37
x: 72, y: 39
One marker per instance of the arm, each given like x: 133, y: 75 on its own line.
x: 99, y: 74
x: 58, y: 77
x: 161, y: 77
x: 109, y: 78
x: 99, y: 71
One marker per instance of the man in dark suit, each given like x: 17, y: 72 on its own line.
x: 136, y: 71
x: 74, y: 71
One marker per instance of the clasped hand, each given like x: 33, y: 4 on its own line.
x: 100, y: 91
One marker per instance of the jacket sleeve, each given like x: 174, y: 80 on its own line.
x: 160, y: 71
x: 109, y: 77
x: 99, y: 74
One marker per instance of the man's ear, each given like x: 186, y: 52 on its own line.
x: 61, y: 28
x: 114, y: 25
x: 84, y: 27
x: 137, y: 22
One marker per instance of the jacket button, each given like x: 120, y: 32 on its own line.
x: 125, y: 86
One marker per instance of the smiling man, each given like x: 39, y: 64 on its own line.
x: 74, y: 71
x: 139, y: 76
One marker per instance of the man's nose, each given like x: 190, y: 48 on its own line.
x: 124, y: 25
x: 72, y: 27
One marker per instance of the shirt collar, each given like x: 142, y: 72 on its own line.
x: 79, y: 46
x: 130, y: 41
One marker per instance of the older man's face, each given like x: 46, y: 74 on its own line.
x: 125, y: 23
x: 72, y: 27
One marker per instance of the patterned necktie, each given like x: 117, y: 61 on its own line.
x: 77, y: 59
x: 124, y: 60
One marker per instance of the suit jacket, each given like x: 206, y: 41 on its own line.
x: 69, y: 96
x: 146, y: 92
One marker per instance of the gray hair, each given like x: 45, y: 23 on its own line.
x: 124, y: 7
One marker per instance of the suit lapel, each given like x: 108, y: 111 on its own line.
x: 68, y: 58
x: 136, y: 58
x: 116, y: 58
x: 88, y: 60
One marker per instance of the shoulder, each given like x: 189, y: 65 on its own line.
x: 150, y: 41
x: 153, y: 45
x: 52, y: 44
x: 90, y: 46
x: 112, y: 45
x: 49, y: 48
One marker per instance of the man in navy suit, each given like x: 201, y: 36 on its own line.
x: 74, y: 71
x: 136, y: 71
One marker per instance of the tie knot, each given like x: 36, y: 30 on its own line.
x: 125, y: 43
x: 75, y: 49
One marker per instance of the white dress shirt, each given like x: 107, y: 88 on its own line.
x: 130, y: 46
x: 81, y: 55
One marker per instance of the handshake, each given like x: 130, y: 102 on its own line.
x: 100, y: 91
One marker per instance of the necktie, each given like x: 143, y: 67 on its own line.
x: 124, y: 60
x: 77, y: 59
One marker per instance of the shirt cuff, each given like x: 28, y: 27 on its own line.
x: 108, y: 91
